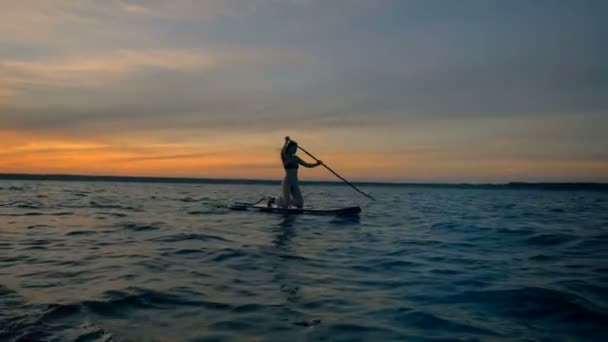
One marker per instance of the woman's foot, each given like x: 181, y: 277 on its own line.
x: 271, y: 202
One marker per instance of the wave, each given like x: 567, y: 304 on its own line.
x: 86, y: 331
x: 227, y: 254
x: 361, y: 331
x: 543, y: 258
x: 185, y: 251
x: 139, y: 227
x: 94, y: 204
x: 534, y: 303
x: 232, y: 325
x: 60, y: 311
x: 39, y: 226
x: 25, y: 204
x: 426, y: 321
x: 117, y: 301
x: 189, y: 199
x: 110, y: 213
x: 97, y: 335
x: 80, y: 232
x: 212, y: 211
x: 550, y: 239
x: 186, y: 237
x: 512, y: 231
x: 383, y: 264
x: 38, y: 213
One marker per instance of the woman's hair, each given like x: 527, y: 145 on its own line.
x: 289, y: 145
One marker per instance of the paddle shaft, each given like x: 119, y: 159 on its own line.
x: 337, y: 175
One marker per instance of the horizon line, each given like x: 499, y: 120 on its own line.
x: 194, y: 180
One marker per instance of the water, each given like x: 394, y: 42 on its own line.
x: 98, y: 261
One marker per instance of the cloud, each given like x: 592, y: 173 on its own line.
x: 171, y: 156
x: 183, y: 9
x: 66, y: 21
x: 57, y: 146
x: 354, y: 65
x: 97, y: 69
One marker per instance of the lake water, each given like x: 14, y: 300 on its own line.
x: 103, y: 261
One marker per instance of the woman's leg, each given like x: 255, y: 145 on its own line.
x: 284, y: 200
x: 297, y: 199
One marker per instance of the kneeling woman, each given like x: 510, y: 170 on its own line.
x: 291, y: 194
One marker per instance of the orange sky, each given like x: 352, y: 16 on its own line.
x: 39, y: 154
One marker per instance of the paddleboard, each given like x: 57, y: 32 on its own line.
x: 262, y: 205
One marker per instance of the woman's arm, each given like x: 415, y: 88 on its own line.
x: 284, y: 152
x: 284, y: 148
x: 303, y: 163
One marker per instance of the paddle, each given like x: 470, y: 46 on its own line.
x: 332, y: 171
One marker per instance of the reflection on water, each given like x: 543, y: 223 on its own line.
x: 284, y: 232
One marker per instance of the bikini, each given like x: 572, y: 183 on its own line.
x: 292, y: 165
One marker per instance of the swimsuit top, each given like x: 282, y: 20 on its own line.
x: 291, y: 164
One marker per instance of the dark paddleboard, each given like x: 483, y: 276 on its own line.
x: 262, y: 206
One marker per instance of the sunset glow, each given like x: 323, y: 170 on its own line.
x: 380, y: 90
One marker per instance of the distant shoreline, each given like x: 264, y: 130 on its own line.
x: 192, y: 180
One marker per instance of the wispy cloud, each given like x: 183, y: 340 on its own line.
x: 96, y: 69
x: 173, y: 156
x: 58, y: 146
x: 182, y: 9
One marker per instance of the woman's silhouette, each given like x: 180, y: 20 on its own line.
x: 290, y: 190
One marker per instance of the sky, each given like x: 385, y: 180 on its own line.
x: 380, y: 90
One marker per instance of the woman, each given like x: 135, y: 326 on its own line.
x: 291, y: 194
